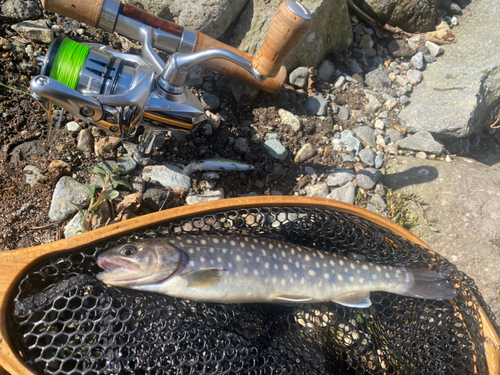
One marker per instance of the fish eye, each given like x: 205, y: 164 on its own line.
x: 128, y: 250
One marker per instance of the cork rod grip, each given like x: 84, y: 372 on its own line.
x: 271, y: 85
x: 289, y: 25
x: 87, y: 11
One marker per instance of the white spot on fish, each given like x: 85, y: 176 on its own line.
x: 238, y: 258
x: 232, y: 243
x: 276, y: 267
x: 297, y: 264
x: 224, y: 240
x: 255, y: 272
x: 340, y: 278
x: 283, y: 282
x: 189, y: 241
x: 311, y: 272
x: 361, y: 280
x: 249, y: 254
x: 292, y: 251
x: 391, y: 268
x: 358, y: 271
x: 283, y: 254
x: 257, y: 259
x: 317, y: 265
x: 279, y: 245
x: 275, y: 280
x: 202, y: 259
x: 266, y: 265
x: 203, y: 242
x: 215, y: 240
x: 271, y: 246
x: 384, y: 267
x: 341, y: 262
x: 264, y: 252
x: 285, y: 267
x: 255, y: 240
x: 219, y: 259
x: 275, y: 256
x: 351, y: 279
x: 242, y: 244
x: 321, y: 255
x: 358, y: 262
x: 212, y: 250
x: 314, y: 255
x: 326, y: 276
x: 191, y: 251
x: 245, y: 270
x: 398, y: 272
x: 378, y: 269
x: 353, y: 266
x: 252, y: 246
x: 291, y: 280
x: 365, y: 267
x: 332, y: 263
x: 224, y: 250
x: 302, y: 281
x: 307, y: 258
x: 387, y: 275
x: 374, y: 277
x: 211, y: 261
x: 230, y: 265
x: 286, y: 246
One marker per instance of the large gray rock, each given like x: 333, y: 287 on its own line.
x: 68, y: 194
x: 460, y: 94
x: 37, y: 31
x: 330, y: 30
x: 21, y: 10
x: 464, y: 199
x: 411, y: 16
x: 211, y: 17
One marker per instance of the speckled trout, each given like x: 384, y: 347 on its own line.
x: 242, y: 269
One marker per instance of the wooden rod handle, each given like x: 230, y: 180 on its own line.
x: 87, y: 11
x: 289, y: 25
x: 271, y: 85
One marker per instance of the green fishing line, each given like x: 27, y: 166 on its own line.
x: 68, y: 62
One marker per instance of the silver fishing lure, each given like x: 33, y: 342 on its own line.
x: 217, y: 165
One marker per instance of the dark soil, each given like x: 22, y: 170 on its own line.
x: 24, y: 126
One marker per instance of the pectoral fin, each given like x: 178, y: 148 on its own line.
x: 204, y: 278
x: 361, y: 300
x: 293, y: 299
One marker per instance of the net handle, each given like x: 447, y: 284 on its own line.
x: 14, y: 263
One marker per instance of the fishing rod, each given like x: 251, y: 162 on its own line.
x: 120, y: 91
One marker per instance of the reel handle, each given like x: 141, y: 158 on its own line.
x: 290, y: 23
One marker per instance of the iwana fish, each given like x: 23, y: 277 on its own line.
x: 241, y: 269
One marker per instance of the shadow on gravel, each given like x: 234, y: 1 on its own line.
x: 412, y: 176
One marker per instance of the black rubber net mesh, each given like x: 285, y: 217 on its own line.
x: 64, y: 321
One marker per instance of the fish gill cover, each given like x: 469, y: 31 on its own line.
x: 64, y: 321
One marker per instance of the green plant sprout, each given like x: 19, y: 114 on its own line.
x: 107, y: 193
x: 399, y: 213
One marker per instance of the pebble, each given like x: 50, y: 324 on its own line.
x: 415, y: 41
x: 74, y: 227
x: 353, y: 66
x: 373, y: 105
x: 299, y: 77
x: 367, y: 156
x: 340, y: 177
x: 379, y: 124
x: 106, y: 145
x: 339, y: 82
x: 155, y: 198
x: 368, y: 178
x: 59, y: 166
x: 366, y: 42
x: 345, y: 193
x: 210, y: 101
x: 167, y: 176
x: 67, y: 193
x: 33, y: 175
x: 73, y: 127
x: 399, y: 48
x: 337, y: 144
x: 403, y: 99
x: 379, y: 80
x: 277, y: 172
x: 379, y: 162
x: 421, y: 141
x: 414, y: 76
x: 429, y: 59
x: 366, y: 134
x: 421, y: 155
x: 316, y: 104
x: 207, y: 196
x: 306, y: 152
x: 289, y: 119
x: 435, y: 49
x: 319, y: 190
x: 138, y: 184
x: 348, y: 139
x: 326, y: 70
x: 418, y: 61
x: 240, y: 146
x: 275, y: 147
x: 85, y: 141
x: 36, y: 31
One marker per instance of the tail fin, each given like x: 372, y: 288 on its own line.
x: 429, y: 284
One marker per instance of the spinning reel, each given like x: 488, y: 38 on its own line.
x: 120, y: 91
